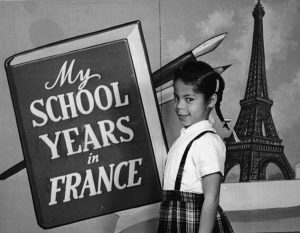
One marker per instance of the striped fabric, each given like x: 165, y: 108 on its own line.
x: 180, y: 211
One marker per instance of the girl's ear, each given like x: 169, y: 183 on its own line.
x: 212, y: 100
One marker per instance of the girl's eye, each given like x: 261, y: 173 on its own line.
x: 176, y: 98
x: 189, y: 99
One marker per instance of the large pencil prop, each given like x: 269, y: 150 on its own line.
x: 165, y: 73
x: 162, y: 76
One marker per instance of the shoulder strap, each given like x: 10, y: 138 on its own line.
x: 183, y: 159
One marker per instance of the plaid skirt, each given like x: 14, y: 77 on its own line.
x: 180, y: 213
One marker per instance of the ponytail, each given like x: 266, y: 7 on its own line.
x: 219, y: 100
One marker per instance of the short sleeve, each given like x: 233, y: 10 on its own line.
x: 208, y: 154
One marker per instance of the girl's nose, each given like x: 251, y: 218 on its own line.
x: 179, y: 104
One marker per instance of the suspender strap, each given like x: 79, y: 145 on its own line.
x: 182, y: 162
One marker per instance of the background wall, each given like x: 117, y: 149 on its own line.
x: 170, y: 27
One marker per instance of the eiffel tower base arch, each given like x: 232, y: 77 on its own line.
x: 253, y: 165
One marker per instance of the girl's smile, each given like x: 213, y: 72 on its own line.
x: 183, y: 118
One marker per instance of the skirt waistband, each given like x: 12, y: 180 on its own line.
x: 175, y: 195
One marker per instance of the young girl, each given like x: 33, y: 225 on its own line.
x: 195, y: 163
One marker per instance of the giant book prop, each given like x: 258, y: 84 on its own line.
x: 88, y: 124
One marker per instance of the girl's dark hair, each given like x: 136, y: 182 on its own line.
x: 204, y: 79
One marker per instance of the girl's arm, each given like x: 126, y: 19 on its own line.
x: 211, y: 189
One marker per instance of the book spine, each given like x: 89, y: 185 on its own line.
x: 13, y: 93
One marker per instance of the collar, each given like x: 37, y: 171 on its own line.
x: 197, y: 127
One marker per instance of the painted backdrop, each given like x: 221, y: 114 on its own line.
x: 170, y: 28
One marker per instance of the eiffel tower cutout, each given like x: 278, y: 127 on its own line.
x: 259, y: 143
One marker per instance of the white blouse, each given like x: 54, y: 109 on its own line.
x: 206, y: 156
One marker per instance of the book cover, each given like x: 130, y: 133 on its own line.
x: 88, y: 125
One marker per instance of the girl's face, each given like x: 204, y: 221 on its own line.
x: 190, y: 106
